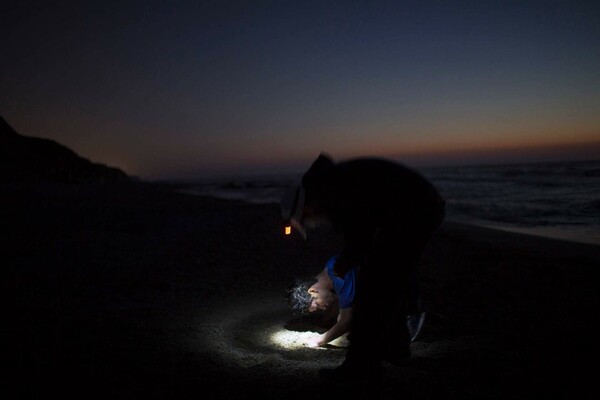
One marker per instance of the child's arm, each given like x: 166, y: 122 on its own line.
x: 341, y: 326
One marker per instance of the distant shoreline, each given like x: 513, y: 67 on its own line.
x: 549, y: 232
x: 555, y: 233
x: 554, y: 200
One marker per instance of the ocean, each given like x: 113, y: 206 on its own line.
x: 557, y: 199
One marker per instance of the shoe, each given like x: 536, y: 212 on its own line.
x: 415, y: 323
x: 352, y: 372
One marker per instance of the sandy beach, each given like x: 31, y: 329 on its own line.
x: 136, y: 291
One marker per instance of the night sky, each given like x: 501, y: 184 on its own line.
x: 186, y: 89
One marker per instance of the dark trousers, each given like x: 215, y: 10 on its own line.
x: 386, y: 290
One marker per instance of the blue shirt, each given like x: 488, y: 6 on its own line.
x: 344, y: 288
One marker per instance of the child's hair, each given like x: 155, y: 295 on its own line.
x: 298, y: 297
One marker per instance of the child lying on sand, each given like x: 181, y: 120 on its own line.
x: 331, y: 294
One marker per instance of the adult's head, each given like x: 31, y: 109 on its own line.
x: 306, y: 205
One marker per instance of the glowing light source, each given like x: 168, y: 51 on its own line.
x: 291, y: 339
x: 288, y: 230
x: 297, y: 340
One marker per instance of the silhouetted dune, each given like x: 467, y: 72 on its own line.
x: 32, y: 159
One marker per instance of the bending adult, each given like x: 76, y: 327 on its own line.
x: 386, y: 213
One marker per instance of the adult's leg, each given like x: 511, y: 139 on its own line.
x: 381, y: 294
x: 397, y: 255
x: 400, y: 297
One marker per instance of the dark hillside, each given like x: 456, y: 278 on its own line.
x: 32, y: 159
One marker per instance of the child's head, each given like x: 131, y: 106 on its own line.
x: 310, y: 296
x: 298, y: 297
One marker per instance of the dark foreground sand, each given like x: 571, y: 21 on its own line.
x: 135, y: 292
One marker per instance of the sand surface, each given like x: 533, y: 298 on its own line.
x: 139, y: 292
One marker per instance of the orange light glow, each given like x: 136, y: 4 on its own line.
x: 288, y: 230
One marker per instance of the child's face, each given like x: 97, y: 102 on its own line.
x: 322, y: 299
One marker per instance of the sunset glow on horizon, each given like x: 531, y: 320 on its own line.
x: 184, y: 90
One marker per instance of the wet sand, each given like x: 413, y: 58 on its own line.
x: 135, y: 291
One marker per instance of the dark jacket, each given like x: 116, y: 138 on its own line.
x: 367, y: 197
